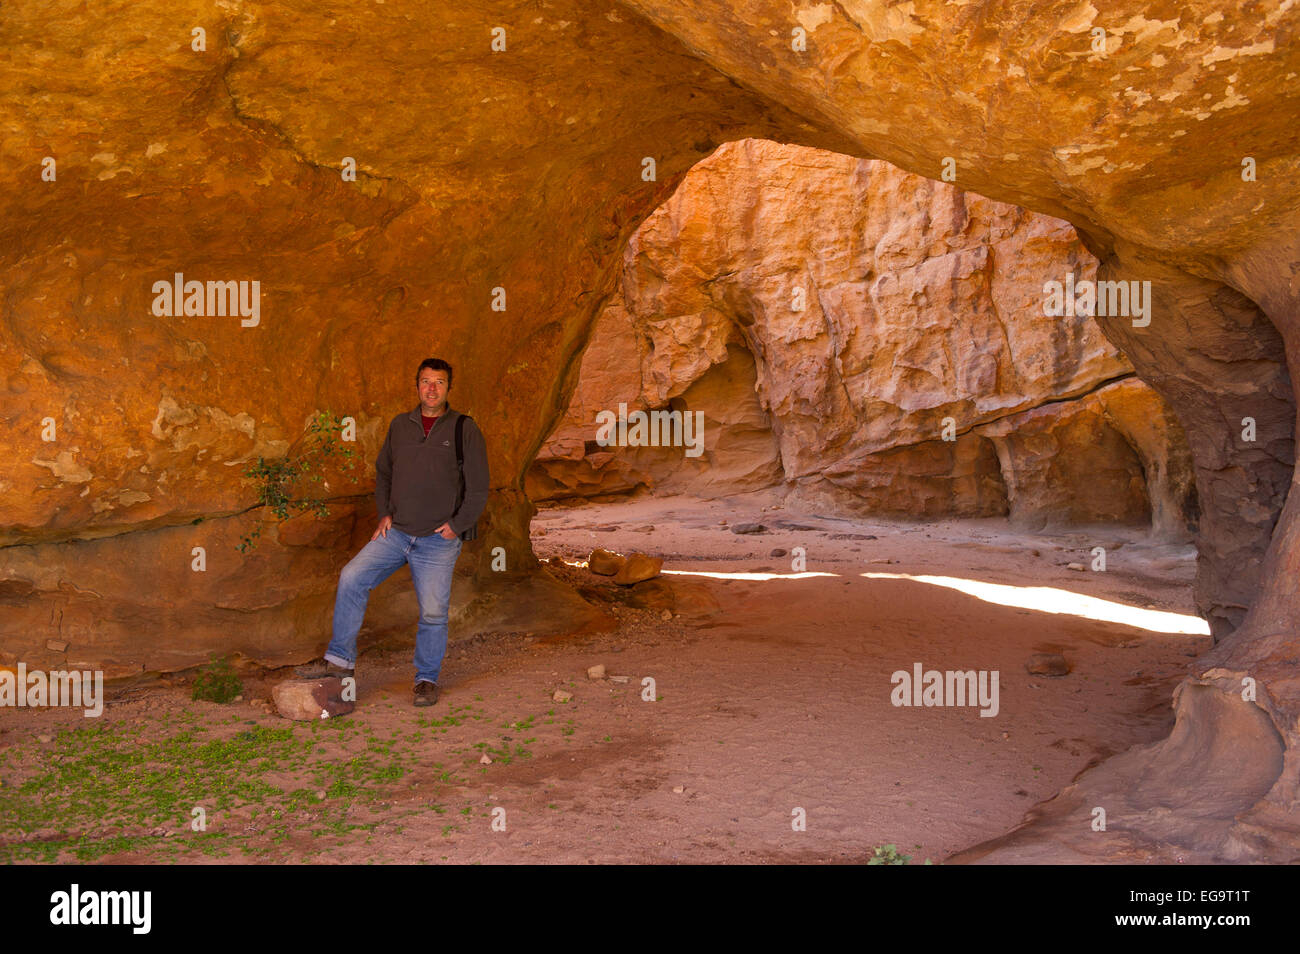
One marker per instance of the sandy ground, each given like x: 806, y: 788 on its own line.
x: 772, y: 702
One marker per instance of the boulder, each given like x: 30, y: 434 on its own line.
x: 605, y: 563
x: 638, y: 568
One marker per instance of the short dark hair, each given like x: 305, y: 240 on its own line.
x: 437, y: 364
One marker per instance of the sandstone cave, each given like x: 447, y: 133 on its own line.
x: 827, y: 232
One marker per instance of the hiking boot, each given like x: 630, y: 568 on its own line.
x: 321, y: 669
x: 426, y: 693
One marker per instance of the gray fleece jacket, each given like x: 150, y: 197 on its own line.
x: 416, y: 478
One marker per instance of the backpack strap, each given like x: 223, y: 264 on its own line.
x: 469, y: 534
x: 460, y: 450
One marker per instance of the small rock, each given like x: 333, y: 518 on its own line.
x: 1006, y: 735
x: 647, y: 528
x: 1075, y: 566
x: 605, y: 562
x: 1047, y: 664
x: 320, y: 794
x: 239, y: 698
x: 749, y: 528
x: 304, y: 700
x: 639, y: 568
x: 562, y: 696
x: 596, y: 672
x: 666, y: 615
x: 619, y: 679
x: 43, y: 739
x: 779, y: 551
x: 56, y: 645
x: 678, y: 789
x: 484, y: 760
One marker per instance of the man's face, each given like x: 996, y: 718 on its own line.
x: 433, y: 388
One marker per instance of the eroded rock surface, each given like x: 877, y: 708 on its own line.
x: 835, y: 319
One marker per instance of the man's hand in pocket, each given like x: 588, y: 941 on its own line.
x: 383, y: 528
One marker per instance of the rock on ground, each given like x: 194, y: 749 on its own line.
x: 605, y: 563
x: 304, y: 700
x: 638, y: 569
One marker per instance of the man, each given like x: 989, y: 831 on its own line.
x: 422, y: 521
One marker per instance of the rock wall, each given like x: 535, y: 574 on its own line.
x: 127, y: 432
x: 881, y: 310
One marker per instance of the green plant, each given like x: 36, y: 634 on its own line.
x: 276, y: 477
x: 887, y: 855
x: 218, y: 682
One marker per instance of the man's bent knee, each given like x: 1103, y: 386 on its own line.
x: 434, y: 615
x: 350, y: 577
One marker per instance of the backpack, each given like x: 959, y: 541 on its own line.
x: 472, y: 532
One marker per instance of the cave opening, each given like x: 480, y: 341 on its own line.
x: 913, y: 462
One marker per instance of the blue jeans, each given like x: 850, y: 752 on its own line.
x: 432, y: 560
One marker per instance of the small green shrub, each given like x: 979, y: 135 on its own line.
x: 218, y: 682
x: 277, y: 478
x: 888, y: 855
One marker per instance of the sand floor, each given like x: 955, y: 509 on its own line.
x: 772, y: 704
